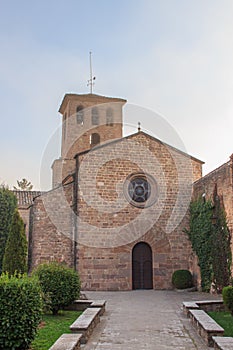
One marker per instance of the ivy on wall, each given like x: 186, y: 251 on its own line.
x: 200, y: 237
x: 210, y: 238
x: 221, y: 247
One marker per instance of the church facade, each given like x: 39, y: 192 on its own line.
x: 119, y: 205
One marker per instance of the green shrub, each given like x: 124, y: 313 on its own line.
x: 182, y: 279
x: 60, y: 283
x: 227, y: 294
x: 8, y: 203
x: 20, y: 311
x: 15, y: 256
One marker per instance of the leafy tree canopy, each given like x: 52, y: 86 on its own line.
x: 23, y: 185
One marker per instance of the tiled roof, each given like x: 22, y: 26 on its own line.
x: 25, y: 198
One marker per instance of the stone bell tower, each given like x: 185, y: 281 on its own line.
x: 88, y: 120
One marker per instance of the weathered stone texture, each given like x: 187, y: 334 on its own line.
x: 91, y: 222
x: 104, y: 261
x: 76, y: 137
x: 51, y: 238
x: 108, y: 226
x: 223, y: 178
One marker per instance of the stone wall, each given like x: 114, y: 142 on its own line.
x: 76, y: 136
x: 25, y: 213
x: 110, y: 226
x: 51, y: 236
x: 24, y: 202
x: 223, y: 178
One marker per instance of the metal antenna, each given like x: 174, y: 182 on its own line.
x: 90, y: 82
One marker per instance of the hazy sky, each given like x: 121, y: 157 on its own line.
x: 174, y: 57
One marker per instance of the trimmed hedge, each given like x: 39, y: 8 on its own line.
x: 182, y: 279
x: 20, y: 311
x: 227, y: 294
x: 60, y: 285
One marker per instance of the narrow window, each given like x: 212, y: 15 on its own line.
x: 95, y: 139
x: 109, y: 117
x: 95, y: 116
x: 64, y: 126
x: 79, y: 115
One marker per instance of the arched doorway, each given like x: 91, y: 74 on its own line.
x: 142, y: 266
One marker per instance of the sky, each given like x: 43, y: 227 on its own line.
x: 171, y: 57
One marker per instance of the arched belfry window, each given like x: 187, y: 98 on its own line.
x: 109, y: 117
x: 80, y: 115
x: 95, y: 139
x: 95, y: 116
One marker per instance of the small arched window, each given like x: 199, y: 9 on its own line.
x: 95, y: 116
x: 95, y: 139
x: 109, y: 117
x: 79, y: 114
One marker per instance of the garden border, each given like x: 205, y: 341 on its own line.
x: 209, y: 330
x: 83, y: 326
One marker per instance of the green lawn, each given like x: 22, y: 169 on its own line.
x: 225, y: 320
x: 52, y: 327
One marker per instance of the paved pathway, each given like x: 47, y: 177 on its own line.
x: 148, y: 319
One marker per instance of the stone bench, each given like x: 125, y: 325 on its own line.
x: 205, y: 325
x: 86, y: 322
x: 99, y: 303
x: 206, y: 305
x: 81, y: 305
x: 223, y: 343
x: 211, y: 305
x: 189, y: 305
x: 67, y: 342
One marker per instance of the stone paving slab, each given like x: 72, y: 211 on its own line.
x: 145, y: 320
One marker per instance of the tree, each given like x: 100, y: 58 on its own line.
x: 15, y: 256
x: 24, y: 185
x: 8, y: 204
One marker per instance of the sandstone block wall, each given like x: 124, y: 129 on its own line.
x: 223, y: 178
x: 110, y: 226
x: 51, y: 236
x: 76, y: 137
x: 107, y: 226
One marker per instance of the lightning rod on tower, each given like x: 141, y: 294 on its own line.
x: 90, y: 82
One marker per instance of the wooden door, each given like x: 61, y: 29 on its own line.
x: 142, y: 266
